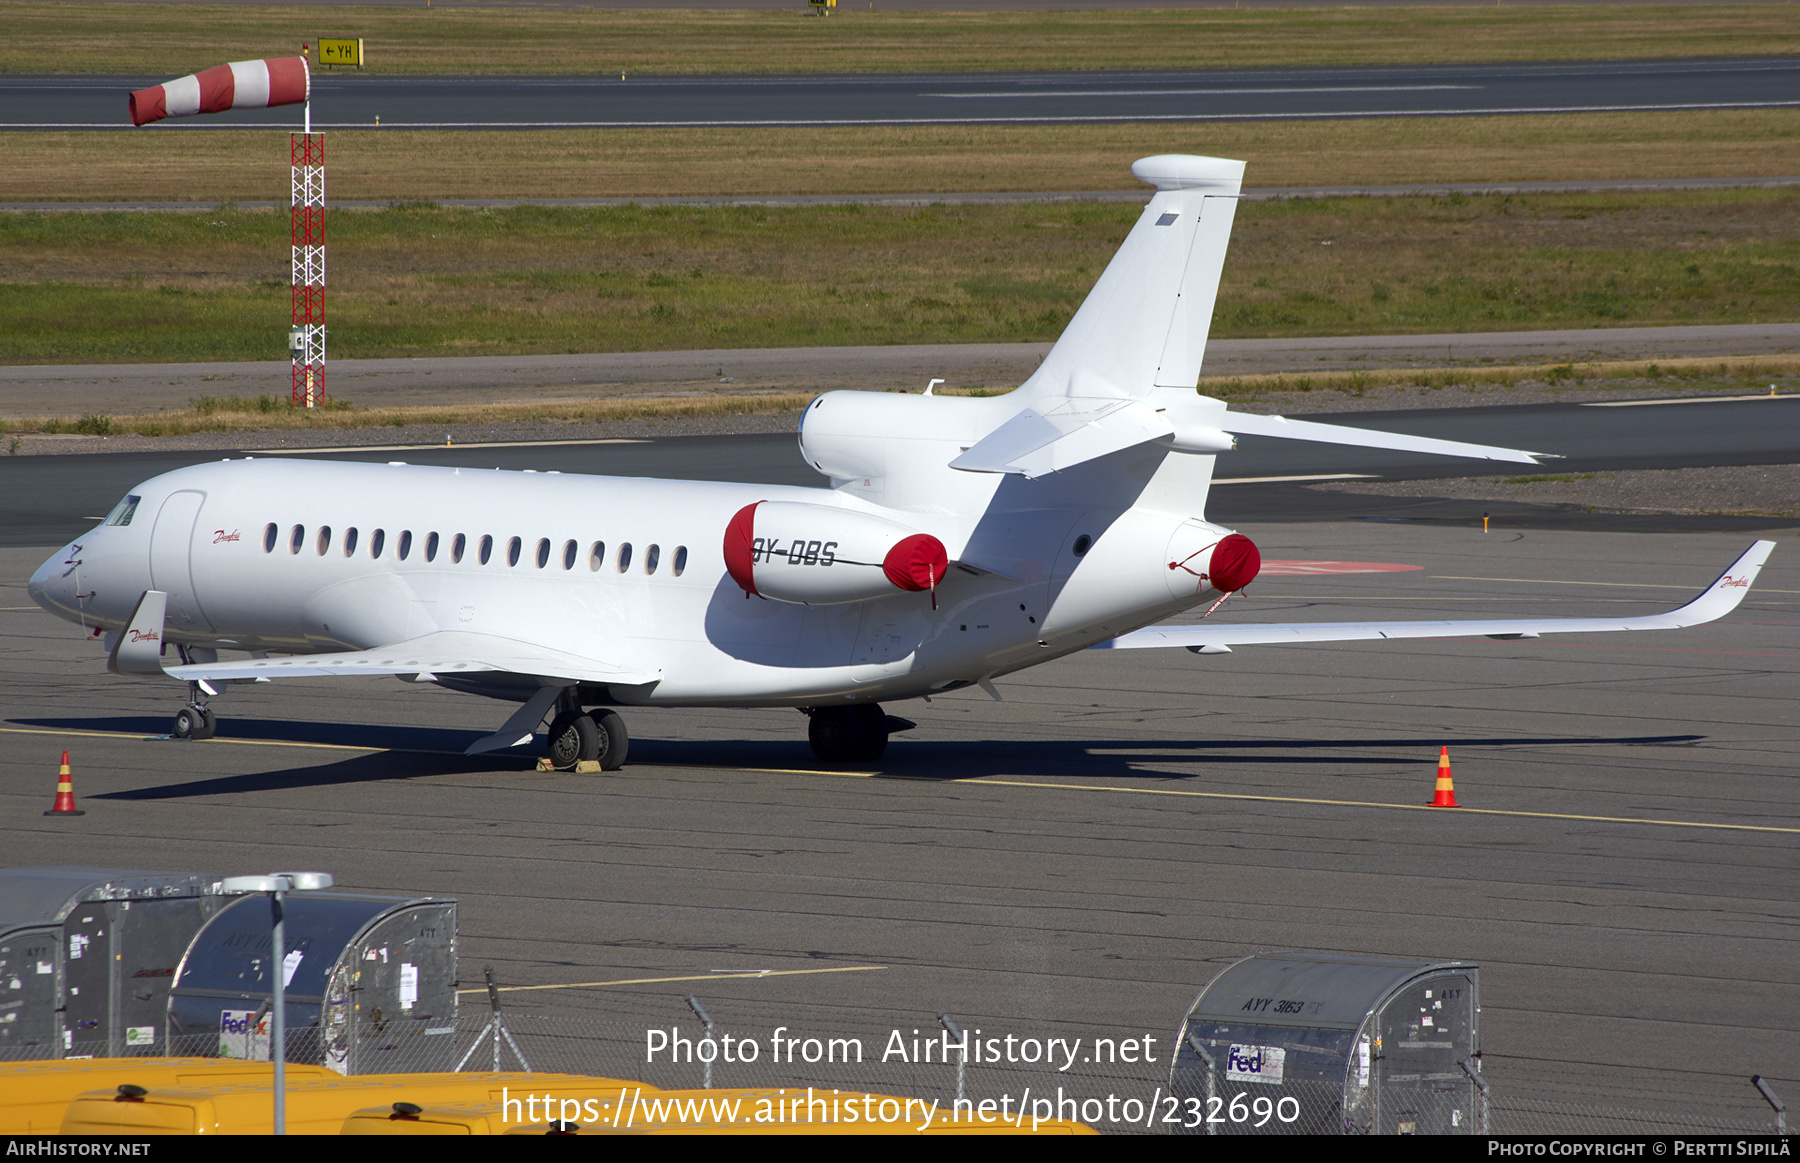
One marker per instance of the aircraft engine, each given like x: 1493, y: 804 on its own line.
x: 818, y: 555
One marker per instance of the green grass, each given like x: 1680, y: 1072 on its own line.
x: 423, y: 280
x: 58, y: 36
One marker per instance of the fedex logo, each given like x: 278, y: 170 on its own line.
x: 1255, y: 1063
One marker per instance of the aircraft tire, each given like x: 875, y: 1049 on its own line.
x: 614, y: 740
x: 192, y: 722
x: 573, y: 737
x: 855, y: 734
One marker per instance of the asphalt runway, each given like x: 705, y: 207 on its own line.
x: 49, y: 500
x: 132, y: 389
x: 1085, y: 855
x: 535, y: 102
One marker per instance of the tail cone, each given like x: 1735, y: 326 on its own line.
x: 1446, y: 790
x: 65, y: 793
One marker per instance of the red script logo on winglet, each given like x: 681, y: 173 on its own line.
x: 146, y: 635
x: 1742, y: 582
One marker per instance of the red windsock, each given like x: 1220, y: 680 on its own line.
x: 239, y: 85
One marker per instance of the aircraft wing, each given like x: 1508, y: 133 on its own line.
x: 442, y: 653
x: 1712, y: 603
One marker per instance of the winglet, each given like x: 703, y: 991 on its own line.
x: 139, y: 648
x: 1723, y: 596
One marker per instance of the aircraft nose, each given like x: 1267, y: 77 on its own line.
x: 53, y: 585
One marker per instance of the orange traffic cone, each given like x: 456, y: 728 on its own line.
x: 1446, y: 790
x: 65, y: 793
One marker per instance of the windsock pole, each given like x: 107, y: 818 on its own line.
x: 307, y: 335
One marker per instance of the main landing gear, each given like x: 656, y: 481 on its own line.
x: 853, y: 734
x: 576, y: 736
x: 196, y: 720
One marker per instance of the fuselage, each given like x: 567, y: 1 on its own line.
x: 297, y: 556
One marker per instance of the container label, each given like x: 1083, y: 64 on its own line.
x: 409, y: 985
x: 238, y: 1040
x: 1254, y: 1063
x: 140, y: 1035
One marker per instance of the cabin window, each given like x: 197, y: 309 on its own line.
x: 624, y: 556
x: 487, y: 548
x: 349, y: 541
x: 512, y: 551
x: 679, y: 565
x: 652, y: 556
x: 1082, y: 545
x: 431, y: 546
x: 596, y: 556
x: 124, y: 511
x: 377, y: 540
x: 269, y: 536
x: 404, y: 549
x: 543, y: 553
x: 322, y: 542
x: 296, y: 539
x: 570, y: 549
x: 458, y: 544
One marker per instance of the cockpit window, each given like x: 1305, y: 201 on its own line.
x: 124, y: 511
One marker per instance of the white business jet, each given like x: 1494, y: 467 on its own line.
x: 961, y: 539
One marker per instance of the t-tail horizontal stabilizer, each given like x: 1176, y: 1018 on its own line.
x: 1280, y: 426
x: 1712, y: 603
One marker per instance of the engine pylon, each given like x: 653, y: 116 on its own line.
x: 65, y: 793
x: 1446, y: 788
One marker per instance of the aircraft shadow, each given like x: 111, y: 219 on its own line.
x: 423, y: 752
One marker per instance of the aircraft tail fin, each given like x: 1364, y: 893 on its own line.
x: 1144, y: 325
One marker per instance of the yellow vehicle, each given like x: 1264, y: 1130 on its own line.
x: 762, y: 1111
x: 34, y: 1095
x: 315, y: 1106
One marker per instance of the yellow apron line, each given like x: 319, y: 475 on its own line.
x: 1219, y: 795
x: 660, y: 980
x: 241, y: 742
x: 404, y: 751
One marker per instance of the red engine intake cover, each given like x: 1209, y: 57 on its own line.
x: 740, y: 532
x: 916, y: 563
x: 1235, y: 563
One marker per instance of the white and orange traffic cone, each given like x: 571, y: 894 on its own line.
x: 65, y: 793
x: 1446, y: 789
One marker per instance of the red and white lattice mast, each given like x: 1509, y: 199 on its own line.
x: 261, y: 85
x: 307, y: 338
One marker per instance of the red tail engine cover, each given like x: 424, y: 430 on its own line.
x: 1235, y: 563
x: 819, y: 555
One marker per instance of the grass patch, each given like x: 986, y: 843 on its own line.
x: 53, y: 36
x: 238, y: 415
x: 1737, y: 374
x: 217, y: 165
x: 424, y: 280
